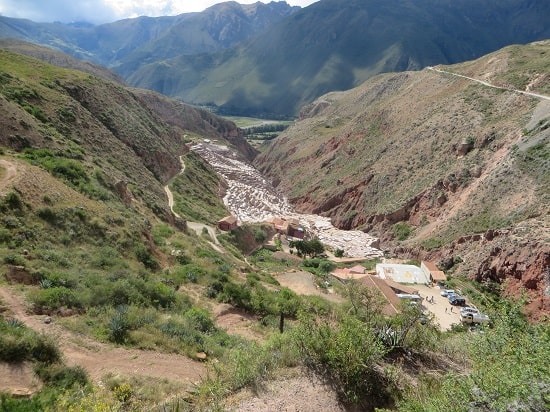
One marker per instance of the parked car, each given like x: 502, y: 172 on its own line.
x: 446, y: 292
x: 414, y: 299
x: 468, y: 309
x: 475, y: 318
x: 457, y: 300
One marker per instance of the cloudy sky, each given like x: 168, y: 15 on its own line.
x: 102, y: 11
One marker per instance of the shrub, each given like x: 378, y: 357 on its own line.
x: 5, y: 236
x: 54, y: 298
x: 259, y: 235
x: 18, y: 343
x: 145, y: 257
x: 14, y: 259
x: 119, y: 326
x: 200, y: 320
x: 349, y: 351
x: 401, y: 231
x: 13, y: 201
x: 49, y: 215
x: 62, y: 377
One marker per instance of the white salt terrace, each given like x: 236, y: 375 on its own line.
x: 251, y: 198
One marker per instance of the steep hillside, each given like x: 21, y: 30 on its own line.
x: 268, y: 60
x: 338, y: 44
x: 59, y: 59
x: 218, y: 27
x: 130, y: 43
x: 198, y: 121
x: 78, y: 116
x: 437, y: 165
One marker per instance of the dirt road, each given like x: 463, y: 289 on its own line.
x: 100, y: 358
x: 536, y: 95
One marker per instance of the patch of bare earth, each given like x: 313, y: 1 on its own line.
x: 236, y: 322
x: 302, y: 283
x: 99, y: 359
x: 18, y: 379
x: 8, y: 172
x: 299, y: 392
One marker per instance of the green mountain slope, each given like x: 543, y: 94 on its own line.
x: 129, y: 43
x: 430, y: 162
x: 270, y: 59
x: 336, y: 45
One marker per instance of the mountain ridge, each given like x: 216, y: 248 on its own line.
x: 269, y: 60
x: 437, y: 160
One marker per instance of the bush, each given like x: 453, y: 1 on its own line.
x: 348, y: 351
x: 200, y: 320
x: 49, y: 215
x: 18, y: 343
x: 14, y: 259
x: 63, y: 377
x: 54, y: 298
x: 339, y: 253
x: 401, y: 231
x: 119, y: 326
x: 13, y: 201
x: 145, y: 257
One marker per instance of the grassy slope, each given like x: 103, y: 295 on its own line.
x: 385, y: 154
x: 335, y: 46
x: 366, y: 151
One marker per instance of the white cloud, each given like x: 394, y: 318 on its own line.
x: 101, y: 11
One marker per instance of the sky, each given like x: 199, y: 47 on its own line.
x: 104, y: 11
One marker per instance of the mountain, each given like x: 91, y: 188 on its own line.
x: 130, y: 43
x: 59, y: 59
x: 338, y: 44
x: 122, y: 137
x: 437, y: 165
x: 269, y: 60
x: 97, y: 265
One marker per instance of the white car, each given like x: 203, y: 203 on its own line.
x: 468, y: 309
x: 447, y: 292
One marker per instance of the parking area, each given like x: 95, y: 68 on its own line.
x: 444, y: 313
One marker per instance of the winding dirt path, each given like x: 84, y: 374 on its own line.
x: 8, y: 171
x: 196, y: 226
x: 538, y: 96
x: 100, y: 358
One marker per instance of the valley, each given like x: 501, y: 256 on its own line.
x: 120, y: 291
x: 251, y: 198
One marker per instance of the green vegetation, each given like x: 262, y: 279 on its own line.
x: 196, y: 192
x: 512, y: 345
x: 401, y: 231
x: 113, y: 265
x: 307, y: 247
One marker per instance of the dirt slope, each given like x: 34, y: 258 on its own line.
x: 99, y: 358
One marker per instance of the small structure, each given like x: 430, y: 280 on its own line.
x: 294, y: 229
x: 288, y: 227
x: 392, y: 302
x: 228, y: 223
x: 401, y: 273
x: 432, y: 272
x: 279, y: 224
x: 399, y: 288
